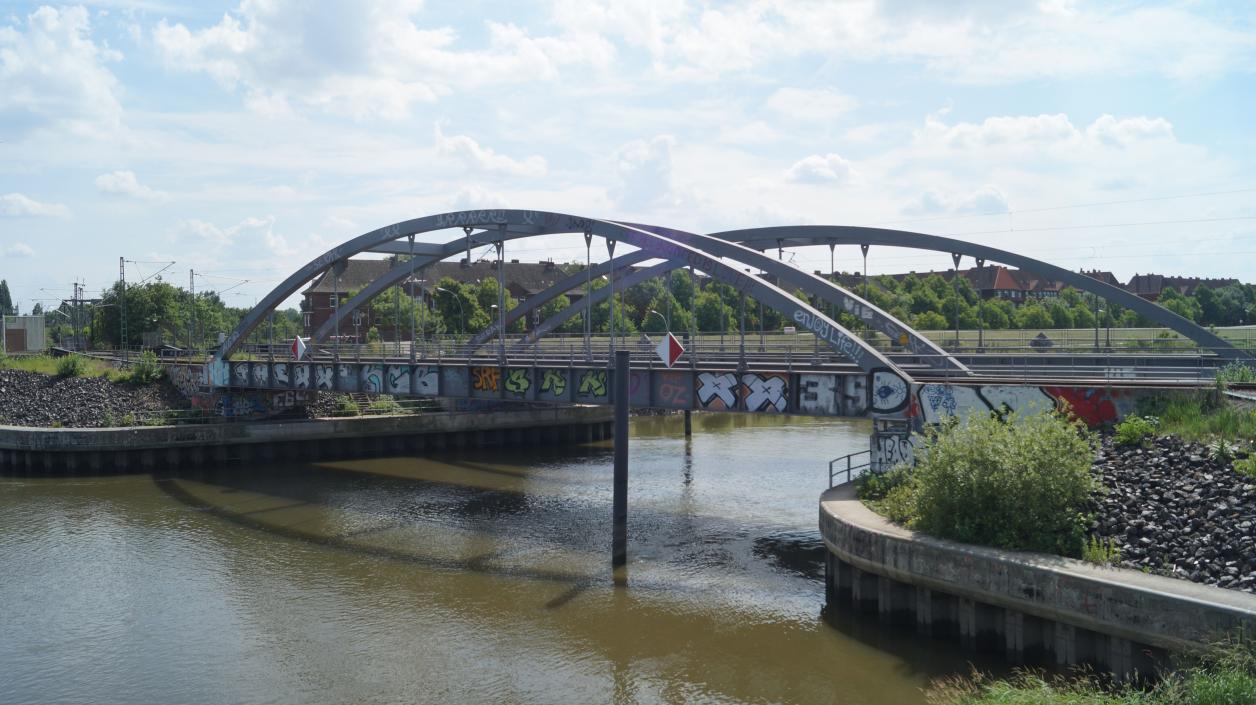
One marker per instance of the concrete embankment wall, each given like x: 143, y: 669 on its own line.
x: 54, y: 451
x: 1029, y: 606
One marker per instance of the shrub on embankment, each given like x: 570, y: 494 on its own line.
x: 1016, y: 483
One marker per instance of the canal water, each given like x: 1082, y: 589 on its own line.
x: 473, y: 577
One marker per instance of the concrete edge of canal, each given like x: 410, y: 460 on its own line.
x: 60, y: 451
x: 1025, y: 605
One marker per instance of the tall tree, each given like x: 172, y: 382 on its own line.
x: 6, y: 300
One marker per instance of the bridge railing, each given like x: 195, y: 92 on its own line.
x: 851, y: 467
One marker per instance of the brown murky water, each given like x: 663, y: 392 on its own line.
x: 478, y: 577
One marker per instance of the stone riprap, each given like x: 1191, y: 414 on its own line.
x: 1172, y: 510
x: 34, y: 399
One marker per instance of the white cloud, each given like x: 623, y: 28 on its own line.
x: 1018, y: 130
x: 203, y: 230
x: 52, y: 73
x: 475, y: 156
x: 1120, y: 133
x: 644, y: 168
x: 987, y: 199
x: 973, y: 42
x: 810, y: 105
x: 16, y: 204
x: 475, y: 197
x: 17, y: 250
x: 827, y: 168
x: 362, y: 59
x: 124, y: 183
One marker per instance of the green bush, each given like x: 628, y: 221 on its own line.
x: 1023, y: 483
x: 1135, y: 430
x: 71, y: 366
x: 347, y: 406
x: 1236, y: 373
x: 1246, y: 467
x: 146, y: 370
x: 876, y: 485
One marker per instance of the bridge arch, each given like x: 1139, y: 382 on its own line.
x: 501, y: 222
x: 809, y: 235
x: 930, y: 353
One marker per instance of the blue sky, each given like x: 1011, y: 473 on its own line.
x: 243, y: 139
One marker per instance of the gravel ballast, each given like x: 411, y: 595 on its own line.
x: 1172, y: 510
x: 34, y: 399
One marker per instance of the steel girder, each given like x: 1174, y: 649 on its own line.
x: 802, y: 235
x: 930, y: 353
x: 500, y: 223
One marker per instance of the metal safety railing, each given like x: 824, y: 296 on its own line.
x: 851, y: 467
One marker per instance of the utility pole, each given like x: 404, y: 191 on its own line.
x: 191, y: 309
x: 122, y: 305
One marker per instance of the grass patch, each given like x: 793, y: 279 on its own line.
x: 1200, y: 417
x: 1101, y: 551
x: 47, y: 365
x: 1225, y: 675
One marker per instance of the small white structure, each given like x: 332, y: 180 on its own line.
x: 22, y: 334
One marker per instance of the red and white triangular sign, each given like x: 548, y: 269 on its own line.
x: 298, y: 348
x: 669, y: 350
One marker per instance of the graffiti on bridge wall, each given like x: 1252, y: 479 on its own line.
x: 554, y: 384
x: 397, y: 379
x: 766, y: 393
x: 518, y: 382
x: 673, y: 390
x: 324, y: 377
x: 243, y: 405
x: 1096, y: 406
x: 486, y: 381
x: 188, y: 379
x: 372, y: 379
x: 717, y: 391
x: 593, y: 386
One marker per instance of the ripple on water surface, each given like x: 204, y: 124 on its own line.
x: 471, y: 577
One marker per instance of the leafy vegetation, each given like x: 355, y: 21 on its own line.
x: 1224, y: 675
x: 1135, y: 430
x: 1200, y: 417
x: 71, y: 366
x: 385, y: 404
x: 1019, y: 483
x: 1246, y: 466
x: 1236, y: 373
x: 1101, y: 551
x: 145, y: 370
x: 346, y: 406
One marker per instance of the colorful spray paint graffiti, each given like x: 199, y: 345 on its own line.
x: 673, y: 390
x: 518, y: 382
x: 372, y: 379
x: 554, y: 384
x: 718, y: 391
x: 766, y: 393
x: 592, y: 387
x: 890, y: 393
x: 397, y: 379
x: 1096, y: 406
x: 486, y: 381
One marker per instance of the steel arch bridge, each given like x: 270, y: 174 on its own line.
x: 886, y: 383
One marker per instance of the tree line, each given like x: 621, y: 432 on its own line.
x: 675, y: 300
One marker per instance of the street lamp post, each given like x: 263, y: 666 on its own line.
x: 462, y: 323
x: 667, y: 324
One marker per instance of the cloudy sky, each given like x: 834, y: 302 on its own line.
x: 243, y: 139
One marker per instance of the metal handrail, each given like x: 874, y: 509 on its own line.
x: 851, y: 466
